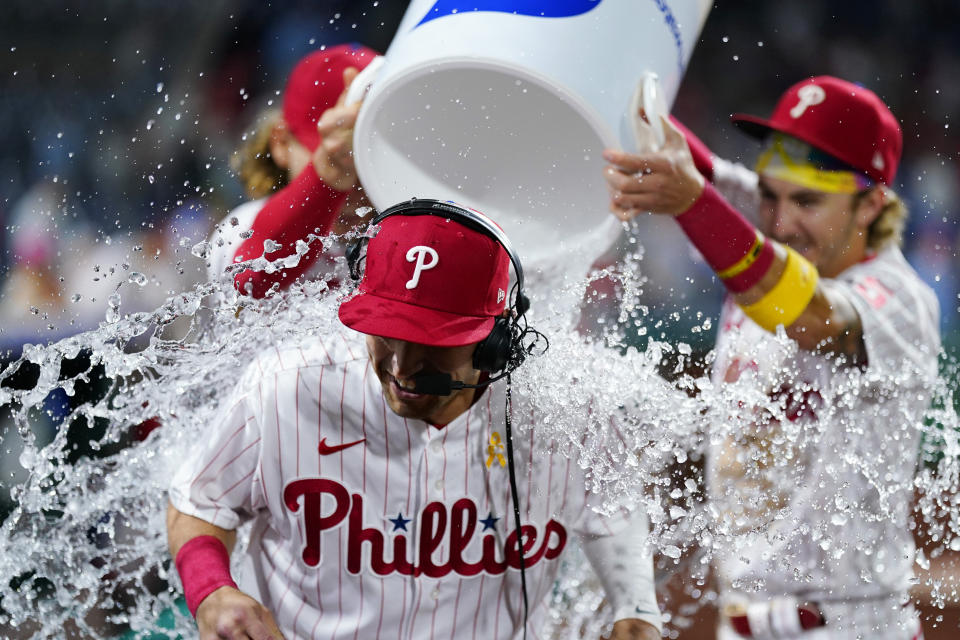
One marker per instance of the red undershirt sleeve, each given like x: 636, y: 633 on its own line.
x: 304, y: 206
x: 702, y: 156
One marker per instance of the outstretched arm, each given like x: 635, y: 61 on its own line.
x: 773, y: 284
x: 202, y: 557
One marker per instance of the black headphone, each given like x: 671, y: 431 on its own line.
x: 501, y: 348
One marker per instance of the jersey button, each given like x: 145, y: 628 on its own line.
x: 436, y: 445
x: 438, y: 485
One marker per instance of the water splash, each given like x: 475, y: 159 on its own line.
x: 85, y: 549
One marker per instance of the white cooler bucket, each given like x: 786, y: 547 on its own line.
x: 508, y: 113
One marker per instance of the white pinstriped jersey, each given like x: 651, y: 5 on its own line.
x: 368, y: 525
x: 815, y: 494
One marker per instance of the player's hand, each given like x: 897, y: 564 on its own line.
x: 229, y: 614
x: 633, y: 629
x: 333, y: 158
x: 665, y: 181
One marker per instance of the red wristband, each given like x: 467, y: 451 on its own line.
x: 752, y: 274
x: 204, y: 567
x: 717, y: 230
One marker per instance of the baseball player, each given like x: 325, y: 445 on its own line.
x: 303, y: 160
x: 375, y: 467
x: 833, y: 336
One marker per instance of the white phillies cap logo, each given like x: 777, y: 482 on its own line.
x: 809, y: 95
x: 877, y: 161
x: 419, y: 255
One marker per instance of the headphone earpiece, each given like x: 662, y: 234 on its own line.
x: 493, y: 353
x: 353, y: 256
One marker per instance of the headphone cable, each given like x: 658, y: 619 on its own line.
x: 516, y: 504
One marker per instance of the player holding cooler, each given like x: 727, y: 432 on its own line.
x: 812, y: 485
x: 299, y: 166
x: 375, y: 468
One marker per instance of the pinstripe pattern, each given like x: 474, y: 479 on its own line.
x: 841, y: 478
x: 285, y: 404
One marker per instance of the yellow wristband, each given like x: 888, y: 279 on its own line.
x: 784, y: 303
x: 744, y: 263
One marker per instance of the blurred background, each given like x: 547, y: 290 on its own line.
x: 119, y: 118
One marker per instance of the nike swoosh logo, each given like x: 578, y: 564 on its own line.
x: 326, y: 449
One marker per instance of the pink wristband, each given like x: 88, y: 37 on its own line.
x: 721, y: 234
x: 204, y: 567
x: 752, y: 274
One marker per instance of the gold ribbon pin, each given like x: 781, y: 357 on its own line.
x: 494, y: 450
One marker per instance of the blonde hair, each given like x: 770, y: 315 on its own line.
x: 253, y: 161
x: 888, y: 227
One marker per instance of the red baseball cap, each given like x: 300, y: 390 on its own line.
x: 314, y: 86
x: 430, y: 280
x: 842, y: 119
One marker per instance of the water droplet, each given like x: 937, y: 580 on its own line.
x: 137, y: 278
x: 28, y: 458
x: 201, y: 249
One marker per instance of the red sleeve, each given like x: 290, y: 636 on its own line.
x: 304, y: 206
x: 702, y: 157
x: 718, y: 231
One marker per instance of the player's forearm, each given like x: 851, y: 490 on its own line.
x: 773, y: 284
x: 181, y: 528
x: 201, y: 554
x: 814, y: 314
x: 305, y: 206
x: 625, y: 569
